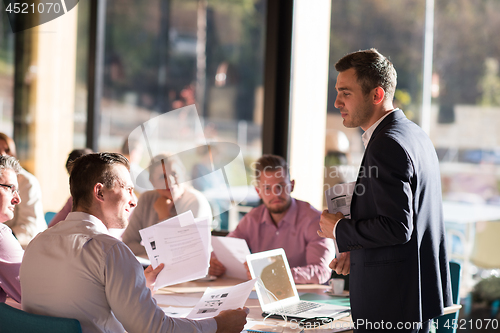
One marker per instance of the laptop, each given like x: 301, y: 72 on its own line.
x: 278, y: 295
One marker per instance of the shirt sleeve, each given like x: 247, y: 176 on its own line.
x: 131, y: 301
x: 11, y: 255
x: 319, y: 253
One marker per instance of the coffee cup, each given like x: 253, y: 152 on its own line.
x: 336, y: 286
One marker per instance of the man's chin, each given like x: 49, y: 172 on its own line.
x: 279, y: 209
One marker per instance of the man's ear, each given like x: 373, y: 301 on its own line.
x: 293, y: 185
x: 378, y: 95
x: 98, y: 192
x: 257, y: 189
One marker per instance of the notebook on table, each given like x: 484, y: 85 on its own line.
x: 277, y: 292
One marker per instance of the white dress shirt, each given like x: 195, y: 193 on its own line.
x: 77, y: 270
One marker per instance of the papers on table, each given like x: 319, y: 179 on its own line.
x: 232, y: 253
x: 214, y: 301
x: 338, y: 199
x: 182, y: 243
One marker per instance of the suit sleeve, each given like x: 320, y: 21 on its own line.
x: 388, y: 185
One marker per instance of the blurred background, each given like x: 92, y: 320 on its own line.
x: 261, y: 75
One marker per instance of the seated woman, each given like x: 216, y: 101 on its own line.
x: 171, y: 196
x: 11, y: 252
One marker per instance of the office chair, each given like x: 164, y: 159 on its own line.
x: 455, y: 275
x: 17, y: 321
x: 49, y: 216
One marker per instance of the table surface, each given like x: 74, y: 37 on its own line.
x: 197, y: 288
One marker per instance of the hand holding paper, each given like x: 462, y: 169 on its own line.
x: 231, y: 253
x: 214, y: 301
x: 182, y: 244
x: 338, y: 199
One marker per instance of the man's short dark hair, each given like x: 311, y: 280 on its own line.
x: 372, y: 70
x: 10, y: 163
x: 90, y: 169
x: 271, y: 163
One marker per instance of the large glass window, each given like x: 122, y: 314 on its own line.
x: 464, y: 111
x: 161, y: 55
x: 6, y: 75
x: 396, y: 29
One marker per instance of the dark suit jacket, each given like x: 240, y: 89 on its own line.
x: 399, y: 266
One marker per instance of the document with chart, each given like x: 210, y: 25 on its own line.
x: 181, y: 243
x: 214, y: 301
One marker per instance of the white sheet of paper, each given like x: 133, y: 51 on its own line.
x: 214, y: 301
x: 232, y: 253
x: 338, y: 199
x: 176, y: 300
x: 182, y: 244
x: 176, y: 312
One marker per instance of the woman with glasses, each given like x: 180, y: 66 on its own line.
x: 29, y: 218
x: 11, y: 252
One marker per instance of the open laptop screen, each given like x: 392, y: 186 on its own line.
x: 272, y: 271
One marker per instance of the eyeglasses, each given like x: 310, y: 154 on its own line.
x: 12, y: 188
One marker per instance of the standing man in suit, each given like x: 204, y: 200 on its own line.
x: 394, y: 245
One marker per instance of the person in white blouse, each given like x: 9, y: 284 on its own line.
x: 29, y: 218
x: 11, y: 253
x: 77, y: 270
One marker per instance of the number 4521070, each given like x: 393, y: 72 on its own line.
x: 25, y: 8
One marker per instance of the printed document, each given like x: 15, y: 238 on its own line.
x: 214, y: 301
x: 181, y: 243
x: 232, y: 253
x: 338, y: 199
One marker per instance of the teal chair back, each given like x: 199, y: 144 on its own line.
x: 17, y: 321
x: 49, y: 216
x: 455, y: 275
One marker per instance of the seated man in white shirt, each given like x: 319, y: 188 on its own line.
x: 77, y: 270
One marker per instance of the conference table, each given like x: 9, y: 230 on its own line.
x: 197, y: 288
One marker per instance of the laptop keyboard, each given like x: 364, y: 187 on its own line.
x: 300, y: 307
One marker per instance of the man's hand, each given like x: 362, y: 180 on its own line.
x: 231, y: 321
x: 216, y: 267
x: 342, y: 265
x: 151, y: 274
x: 327, y: 222
x: 163, y: 207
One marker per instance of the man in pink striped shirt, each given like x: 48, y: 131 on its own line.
x: 283, y: 222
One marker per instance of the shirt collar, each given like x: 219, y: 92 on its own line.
x: 368, y: 133
x: 290, y: 216
x: 81, y: 216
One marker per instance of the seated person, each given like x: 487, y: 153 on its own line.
x: 11, y: 253
x: 29, y: 218
x: 283, y: 222
x: 77, y: 270
x: 75, y: 153
x: 171, y: 197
